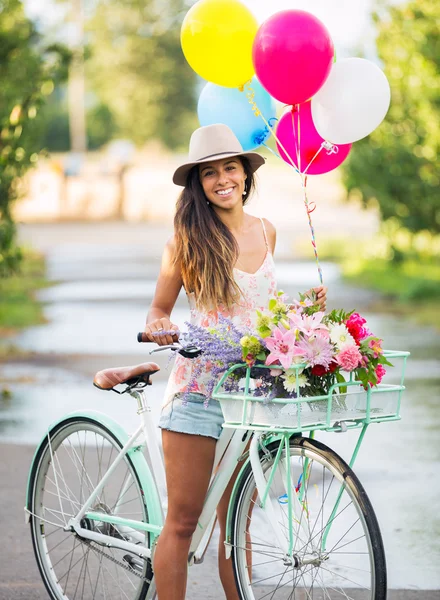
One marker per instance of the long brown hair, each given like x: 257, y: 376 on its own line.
x: 205, y: 247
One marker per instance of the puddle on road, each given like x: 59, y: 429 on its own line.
x: 28, y: 410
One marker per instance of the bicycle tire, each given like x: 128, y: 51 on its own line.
x: 307, y: 579
x: 98, y: 569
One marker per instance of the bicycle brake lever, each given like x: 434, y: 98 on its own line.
x: 167, y: 347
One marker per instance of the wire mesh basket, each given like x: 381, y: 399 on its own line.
x: 348, y: 402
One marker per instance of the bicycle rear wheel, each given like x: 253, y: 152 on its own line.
x: 337, y: 547
x: 64, y: 474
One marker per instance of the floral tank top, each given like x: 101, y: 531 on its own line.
x: 257, y: 289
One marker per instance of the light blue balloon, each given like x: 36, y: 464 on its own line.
x: 219, y: 104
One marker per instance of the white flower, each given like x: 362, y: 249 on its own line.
x: 290, y: 376
x: 340, y: 336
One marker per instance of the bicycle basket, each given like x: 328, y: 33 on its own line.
x: 252, y: 408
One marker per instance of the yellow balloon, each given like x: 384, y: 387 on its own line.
x: 217, y: 38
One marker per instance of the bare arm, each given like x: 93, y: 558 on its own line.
x: 169, y: 284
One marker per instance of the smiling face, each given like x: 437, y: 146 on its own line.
x: 223, y: 182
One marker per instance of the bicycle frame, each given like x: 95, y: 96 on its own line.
x: 229, y: 450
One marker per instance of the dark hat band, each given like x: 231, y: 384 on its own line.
x: 219, y: 154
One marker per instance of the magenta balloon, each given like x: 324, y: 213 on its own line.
x: 309, y: 140
x: 293, y: 55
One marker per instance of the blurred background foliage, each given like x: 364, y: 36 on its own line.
x: 137, y: 70
x: 139, y: 87
x: 396, y: 167
x: 28, y: 72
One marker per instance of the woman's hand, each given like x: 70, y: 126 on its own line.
x: 153, y: 329
x: 321, y: 296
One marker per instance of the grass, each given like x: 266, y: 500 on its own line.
x: 18, y: 306
x: 409, y: 287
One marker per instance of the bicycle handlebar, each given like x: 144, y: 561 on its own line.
x: 188, y: 351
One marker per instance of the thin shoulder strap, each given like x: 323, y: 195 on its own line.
x: 265, y: 234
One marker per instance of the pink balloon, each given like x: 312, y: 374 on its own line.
x: 292, y: 54
x: 309, y: 141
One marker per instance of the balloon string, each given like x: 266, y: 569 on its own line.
x: 319, y: 150
x: 303, y: 176
x: 250, y: 95
x: 271, y: 150
x: 312, y: 229
x: 299, y: 138
x: 330, y: 149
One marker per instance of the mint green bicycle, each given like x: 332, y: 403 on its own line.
x: 300, y: 524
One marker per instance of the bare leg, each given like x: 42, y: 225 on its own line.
x: 188, y: 463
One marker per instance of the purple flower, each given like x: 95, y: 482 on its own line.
x: 316, y: 350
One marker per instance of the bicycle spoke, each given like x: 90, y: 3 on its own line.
x: 344, y: 578
x: 71, y: 468
x: 326, y: 510
x: 347, y: 544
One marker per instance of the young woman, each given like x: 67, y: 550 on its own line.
x: 224, y: 259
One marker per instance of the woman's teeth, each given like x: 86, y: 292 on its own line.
x: 224, y: 192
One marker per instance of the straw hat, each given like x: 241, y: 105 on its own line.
x: 210, y: 143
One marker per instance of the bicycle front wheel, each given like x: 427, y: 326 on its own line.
x: 336, y: 546
x: 69, y: 466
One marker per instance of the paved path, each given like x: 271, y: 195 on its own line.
x: 19, y: 576
x: 107, y: 274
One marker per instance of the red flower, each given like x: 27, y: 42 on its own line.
x: 318, y: 370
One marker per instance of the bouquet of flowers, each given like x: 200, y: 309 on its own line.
x: 308, y: 350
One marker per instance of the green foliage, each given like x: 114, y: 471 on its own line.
x: 408, y: 281
x: 100, y: 126
x: 337, y: 316
x: 27, y: 72
x: 137, y: 69
x: 395, y: 168
x: 18, y: 307
x: 55, y: 117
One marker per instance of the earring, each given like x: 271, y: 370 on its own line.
x: 207, y: 202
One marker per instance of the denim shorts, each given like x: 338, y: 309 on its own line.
x: 192, y: 417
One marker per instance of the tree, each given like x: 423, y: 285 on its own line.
x: 138, y: 70
x: 27, y: 73
x: 396, y: 166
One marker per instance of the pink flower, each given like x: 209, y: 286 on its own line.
x: 316, y: 350
x: 364, y: 361
x: 376, y: 345
x: 282, y: 347
x: 310, y: 324
x: 349, y: 358
x: 355, y: 325
x: 380, y: 372
x: 250, y: 360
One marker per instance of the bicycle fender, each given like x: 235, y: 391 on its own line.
x: 146, y: 479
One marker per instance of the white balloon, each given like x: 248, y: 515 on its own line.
x: 352, y: 102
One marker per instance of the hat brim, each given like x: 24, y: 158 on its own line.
x: 181, y: 173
